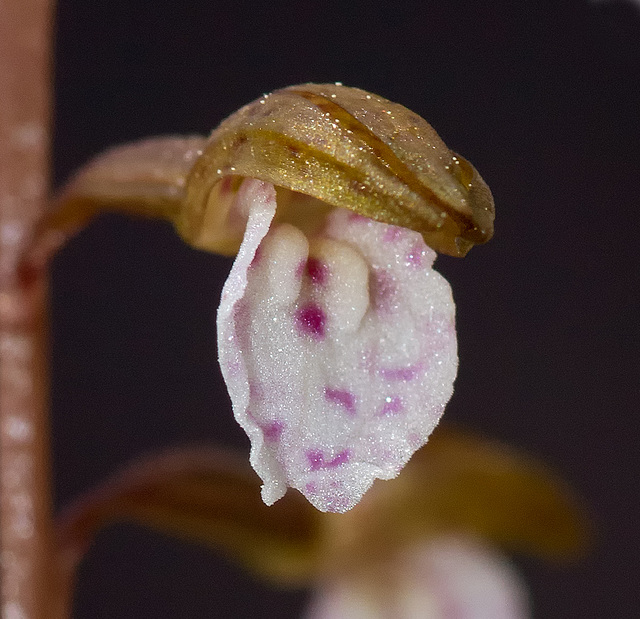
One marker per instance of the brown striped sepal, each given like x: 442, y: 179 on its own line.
x: 341, y: 147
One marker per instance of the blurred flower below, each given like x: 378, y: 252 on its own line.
x: 428, y: 544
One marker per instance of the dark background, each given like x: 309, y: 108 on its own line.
x: 543, y: 98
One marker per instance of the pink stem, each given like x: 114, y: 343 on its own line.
x: 25, y: 513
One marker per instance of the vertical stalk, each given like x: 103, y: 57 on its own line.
x: 25, y: 519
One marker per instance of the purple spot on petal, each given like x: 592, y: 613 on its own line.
x: 342, y: 458
x: 404, y: 374
x: 315, y: 459
x: 341, y: 397
x: 317, y: 271
x: 414, y: 257
x: 311, y: 321
x: 311, y: 487
x: 392, y: 406
x: 393, y: 234
x: 272, y: 430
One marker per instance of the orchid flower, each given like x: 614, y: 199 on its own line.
x: 336, y: 337
x: 428, y: 545
x: 446, y: 577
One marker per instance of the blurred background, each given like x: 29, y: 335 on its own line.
x: 542, y: 97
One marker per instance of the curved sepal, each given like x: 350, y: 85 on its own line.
x: 206, y: 495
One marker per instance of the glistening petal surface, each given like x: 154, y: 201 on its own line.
x: 339, y: 351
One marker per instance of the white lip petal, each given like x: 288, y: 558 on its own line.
x: 339, y: 351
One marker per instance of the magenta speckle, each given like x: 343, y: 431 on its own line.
x: 311, y: 487
x: 340, y: 459
x: 311, y: 321
x: 317, y: 271
x: 345, y: 399
x: 393, y: 234
x: 315, y: 459
x: 392, y: 406
x: 404, y: 374
x: 272, y: 430
x: 414, y: 257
